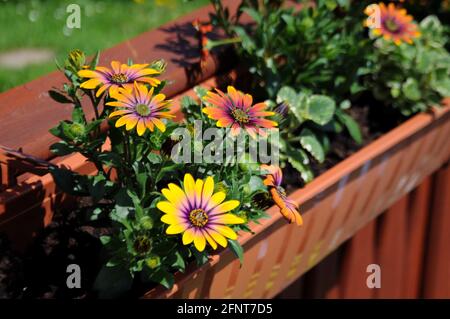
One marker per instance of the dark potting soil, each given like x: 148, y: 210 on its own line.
x: 41, y: 272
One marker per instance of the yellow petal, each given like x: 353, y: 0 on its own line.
x: 131, y: 122
x: 87, y: 74
x: 159, y: 124
x: 189, y: 186
x: 141, y: 127
x: 208, y: 189
x: 91, y: 84
x: 116, y: 104
x: 218, y: 238
x: 210, y: 240
x: 188, y: 236
x: 225, y: 231
x: 199, y: 241
x: 116, y: 66
x: 118, y: 112
x: 121, y: 121
x: 102, y: 89
x: 176, y: 229
x: 216, y: 199
x: 229, y: 219
x: 166, y: 207
x: 226, y: 207
x: 178, y: 195
x: 198, y: 190
x: 171, y: 219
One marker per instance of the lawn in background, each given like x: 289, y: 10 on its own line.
x: 104, y: 23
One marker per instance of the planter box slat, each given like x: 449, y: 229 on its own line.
x: 437, y: 268
x: 418, y: 224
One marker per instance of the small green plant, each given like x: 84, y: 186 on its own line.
x: 412, y: 77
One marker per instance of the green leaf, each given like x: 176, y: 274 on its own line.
x: 59, y: 97
x: 411, y: 89
x: 78, y: 115
x: 154, y: 158
x: 105, y: 239
x: 299, y: 160
x: 320, y: 109
x: 295, y: 102
x: 255, y: 185
x: 237, y: 249
x: 351, y: 125
x: 187, y: 102
x: 200, y: 91
x: 112, y: 282
x: 253, y: 14
x: 179, y: 262
x: 94, y: 61
x: 163, y: 277
x: 61, y: 148
x: 109, y: 159
x: 68, y: 181
x: 443, y: 87
x: 287, y: 94
x: 311, y: 143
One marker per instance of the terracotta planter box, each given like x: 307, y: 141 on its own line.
x: 335, y: 205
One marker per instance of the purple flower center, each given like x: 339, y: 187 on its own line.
x: 198, y: 217
x: 240, y: 116
x: 142, y: 109
x: 392, y: 25
x: 119, y: 78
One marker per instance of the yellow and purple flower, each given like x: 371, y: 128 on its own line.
x: 393, y: 23
x: 198, y: 213
x: 121, y: 75
x: 140, y: 108
x: 235, y: 110
x: 288, y: 208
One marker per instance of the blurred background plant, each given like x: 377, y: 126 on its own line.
x: 34, y: 32
x: 412, y: 77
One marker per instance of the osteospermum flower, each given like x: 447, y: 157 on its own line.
x: 235, y: 110
x: 288, y: 208
x: 140, y: 108
x: 198, y: 213
x: 393, y: 23
x: 121, y: 75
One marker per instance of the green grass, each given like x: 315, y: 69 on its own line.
x: 41, y: 24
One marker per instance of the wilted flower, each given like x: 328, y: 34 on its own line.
x: 288, y: 208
